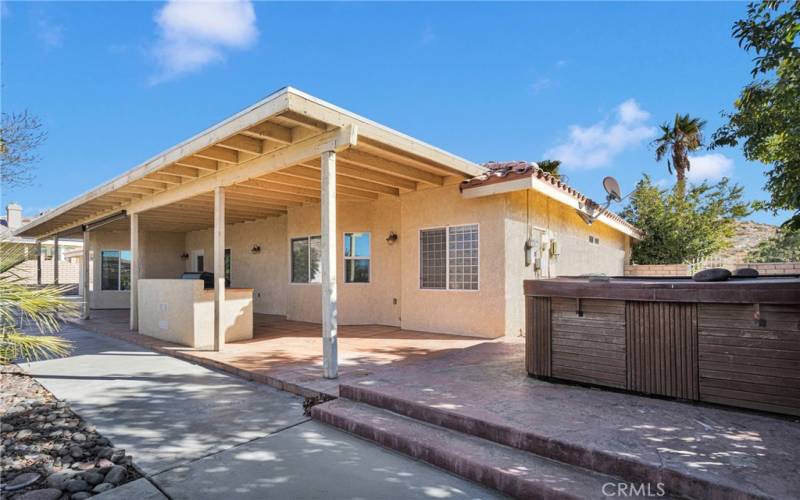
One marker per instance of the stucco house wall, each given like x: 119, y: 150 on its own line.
x: 466, y: 312
x: 548, y: 220
x: 160, y: 258
x: 265, y: 272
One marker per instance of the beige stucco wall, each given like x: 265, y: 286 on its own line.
x: 160, y: 258
x: 265, y: 272
x: 550, y: 220
x: 478, y: 313
x: 181, y: 311
x: 359, y: 303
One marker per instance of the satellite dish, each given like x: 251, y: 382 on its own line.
x: 612, y: 188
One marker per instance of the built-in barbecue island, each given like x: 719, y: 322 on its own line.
x: 182, y: 311
x: 734, y: 342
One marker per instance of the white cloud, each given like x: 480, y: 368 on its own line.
x: 598, y: 144
x: 193, y: 34
x: 712, y: 167
x: 540, y: 84
x: 49, y: 33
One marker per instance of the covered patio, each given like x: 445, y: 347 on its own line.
x: 286, y: 354
x: 291, y: 176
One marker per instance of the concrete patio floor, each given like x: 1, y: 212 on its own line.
x: 288, y: 354
x: 484, y: 390
x: 200, y: 434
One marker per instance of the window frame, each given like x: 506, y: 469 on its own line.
x: 447, y: 259
x: 119, y: 270
x: 345, y: 258
x: 308, y: 238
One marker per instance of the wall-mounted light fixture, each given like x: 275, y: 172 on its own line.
x: 184, y: 256
x: 391, y: 238
x: 256, y: 249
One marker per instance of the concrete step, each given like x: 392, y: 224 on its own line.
x: 511, y: 471
x: 631, y: 468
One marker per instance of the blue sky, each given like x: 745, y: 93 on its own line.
x: 116, y: 83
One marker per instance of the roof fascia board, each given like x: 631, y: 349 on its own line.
x: 273, y: 104
x: 547, y: 190
x: 326, y: 112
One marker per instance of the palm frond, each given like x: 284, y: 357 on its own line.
x: 15, y: 345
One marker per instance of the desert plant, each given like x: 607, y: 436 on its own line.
x: 21, y: 304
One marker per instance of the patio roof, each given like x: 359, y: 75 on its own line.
x: 268, y: 157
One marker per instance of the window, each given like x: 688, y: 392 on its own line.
x: 449, y: 258
x: 227, y: 267
x: 305, y: 260
x: 356, y: 257
x: 115, y: 270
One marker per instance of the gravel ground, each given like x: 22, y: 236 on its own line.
x: 48, y: 452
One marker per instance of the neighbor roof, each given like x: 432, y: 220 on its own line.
x: 516, y: 175
x: 280, y: 130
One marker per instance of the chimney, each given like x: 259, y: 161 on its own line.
x: 13, y: 216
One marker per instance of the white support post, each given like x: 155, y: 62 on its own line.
x: 85, y: 275
x: 55, y: 260
x: 39, y: 263
x: 135, y: 272
x: 219, y: 268
x: 330, y: 354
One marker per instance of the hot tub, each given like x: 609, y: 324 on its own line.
x: 735, y: 342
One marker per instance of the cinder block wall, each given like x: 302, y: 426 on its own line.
x: 666, y: 270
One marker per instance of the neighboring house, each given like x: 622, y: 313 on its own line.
x: 424, y: 240
x: 41, y: 271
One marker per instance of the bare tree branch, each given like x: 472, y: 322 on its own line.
x: 20, y: 135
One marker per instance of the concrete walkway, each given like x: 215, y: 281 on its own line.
x: 197, y: 433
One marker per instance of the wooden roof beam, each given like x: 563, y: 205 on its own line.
x: 244, y: 144
x: 365, y: 160
x: 271, y: 131
x: 220, y: 154
x: 199, y: 163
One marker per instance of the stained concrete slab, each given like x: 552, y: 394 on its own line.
x: 161, y: 410
x: 141, y: 489
x: 313, y: 461
x: 484, y: 390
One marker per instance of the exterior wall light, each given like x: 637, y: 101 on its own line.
x: 256, y: 249
x: 184, y: 256
x: 391, y: 238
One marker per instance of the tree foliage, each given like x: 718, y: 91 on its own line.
x: 766, y: 120
x: 20, y: 135
x: 21, y: 304
x: 784, y: 247
x: 683, y: 227
x: 678, y: 139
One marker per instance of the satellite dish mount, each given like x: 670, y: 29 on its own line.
x: 613, y: 195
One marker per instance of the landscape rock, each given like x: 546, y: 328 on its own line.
x: 116, y: 475
x: 81, y: 495
x: 43, y: 494
x: 100, y: 488
x: 117, y: 455
x: 79, y: 437
x: 59, y: 480
x: 76, y: 485
x: 93, y: 477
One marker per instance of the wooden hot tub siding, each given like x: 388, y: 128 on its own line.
x: 712, y: 352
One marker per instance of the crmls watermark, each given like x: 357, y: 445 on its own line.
x: 634, y: 490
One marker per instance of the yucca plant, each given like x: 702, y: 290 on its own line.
x: 22, y: 304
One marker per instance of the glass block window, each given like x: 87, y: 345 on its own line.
x: 357, y: 252
x: 306, y: 260
x: 462, y: 256
x: 115, y: 270
x: 433, y: 258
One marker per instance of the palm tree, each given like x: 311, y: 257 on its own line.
x: 678, y: 140
x: 552, y: 167
x: 23, y: 304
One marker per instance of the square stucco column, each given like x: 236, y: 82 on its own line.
x: 135, y: 272
x: 55, y: 260
x: 85, y: 276
x: 219, y: 268
x: 330, y: 354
